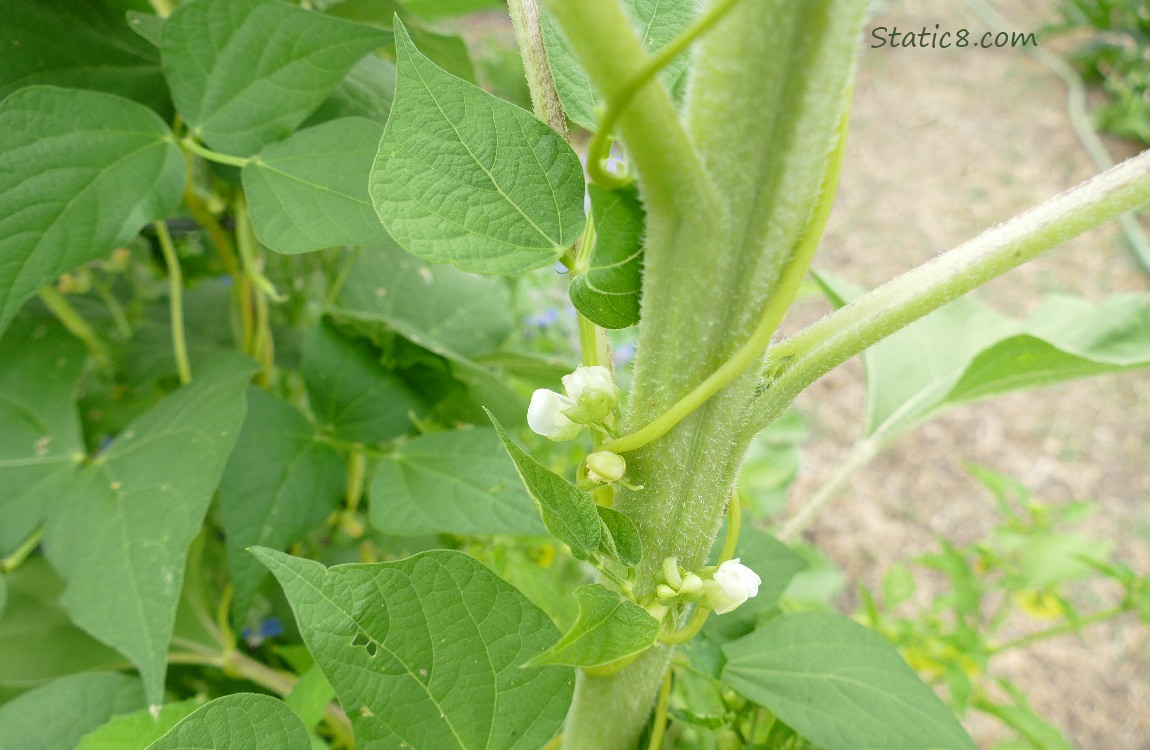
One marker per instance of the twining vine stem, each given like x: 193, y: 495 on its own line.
x: 175, y: 300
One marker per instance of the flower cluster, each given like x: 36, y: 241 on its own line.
x: 590, y: 399
x: 722, y: 588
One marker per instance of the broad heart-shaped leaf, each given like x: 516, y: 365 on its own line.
x: 40, y: 364
x: 135, y: 731
x: 840, y: 685
x: 452, y: 313
x: 58, y: 714
x: 775, y: 564
x: 620, y: 537
x: 966, y: 351
x: 607, y: 293
x: 465, y: 178
x: 279, y: 483
x: 240, y: 721
x: 80, y: 173
x: 245, y: 73
x: 657, y: 22
x: 82, y: 44
x: 610, y: 627
x: 457, y: 482
x: 310, y: 191
x: 351, y: 393
x: 568, y: 513
x: 428, y: 652
x: 119, y: 530
x: 38, y: 643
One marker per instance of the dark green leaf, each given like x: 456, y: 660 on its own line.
x: 310, y: 191
x: 39, y: 367
x: 610, y: 627
x: 569, y: 513
x: 351, y: 393
x: 81, y: 44
x: 57, y: 715
x: 119, y: 530
x: 456, y: 482
x: 620, y: 538
x: 38, y: 643
x: 241, y: 721
x: 656, y: 21
x: 80, y: 173
x: 462, y: 177
x: 454, y: 314
x: 607, y: 293
x: 840, y: 685
x: 428, y: 651
x: 245, y: 73
x: 433, y: 9
x: 366, y: 91
x: 279, y: 483
x: 149, y: 27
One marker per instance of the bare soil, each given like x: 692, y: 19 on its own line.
x: 945, y: 143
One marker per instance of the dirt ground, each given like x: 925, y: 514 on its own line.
x: 943, y: 144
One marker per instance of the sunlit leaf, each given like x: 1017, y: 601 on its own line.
x: 240, y: 721
x: 245, y: 73
x: 607, y: 293
x: 462, y: 177
x: 80, y: 173
x: 610, y: 627
x: 137, y: 730
x: 428, y: 651
x: 840, y: 685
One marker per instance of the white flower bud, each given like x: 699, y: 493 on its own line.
x: 604, y: 467
x: 663, y: 591
x: 586, y: 380
x: 545, y: 415
x: 733, y: 584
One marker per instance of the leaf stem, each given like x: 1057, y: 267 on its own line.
x: 13, y: 561
x: 773, y: 312
x: 115, y: 309
x: 260, y: 345
x: 1066, y: 627
x: 861, y: 454
x: 527, y: 19
x: 812, y: 352
x: 600, y: 147
x: 190, y: 144
x: 690, y: 630
x: 659, y: 728
x: 176, y: 301
x: 75, y: 324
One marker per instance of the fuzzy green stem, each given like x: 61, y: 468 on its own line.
x: 659, y: 728
x: 812, y: 352
x: 527, y: 19
x: 734, y: 526
x: 75, y: 324
x: 600, y: 147
x: 176, y: 301
x: 860, y: 455
x: 690, y: 630
x: 13, y: 561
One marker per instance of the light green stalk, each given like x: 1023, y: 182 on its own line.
x: 729, y: 190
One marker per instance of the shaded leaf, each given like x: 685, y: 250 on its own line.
x: 433, y: 9
x: 840, y: 685
x: 280, y: 482
x: 80, y: 173
x: 40, y: 365
x: 366, y: 91
x: 457, y: 482
x: 610, y: 627
x: 245, y: 73
x: 81, y: 44
x: 568, y: 513
x: 608, y: 292
x: 119, y: 530
x: 310, y: 191
x: 310, y: 695
x: 150, y: 27
x: 462, y: 177
x: 428, y: 651
x: 58, y: 714
x: 351, y: 393
x: 240, y: 721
